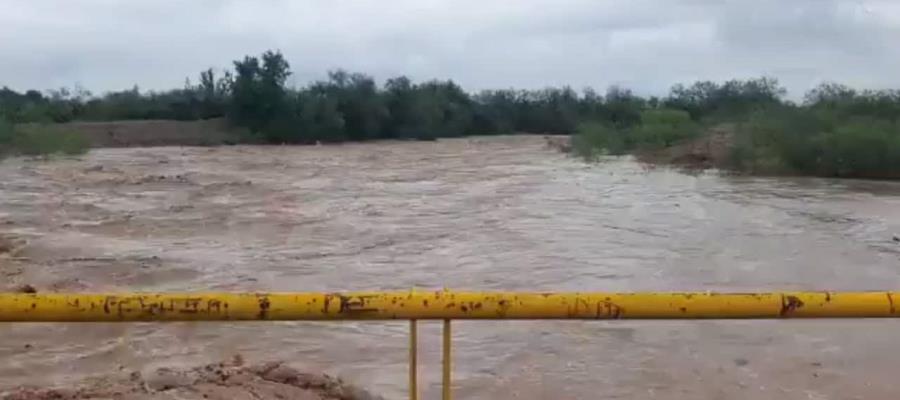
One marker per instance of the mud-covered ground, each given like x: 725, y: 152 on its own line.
x: 219, y: 381
x: 501, y: 213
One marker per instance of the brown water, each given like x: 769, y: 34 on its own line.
x: 487, y: 213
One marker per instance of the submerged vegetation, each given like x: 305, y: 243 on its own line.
x: 834, y: 131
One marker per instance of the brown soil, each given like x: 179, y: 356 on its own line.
x: 220, y: 381
x: 709, y: 151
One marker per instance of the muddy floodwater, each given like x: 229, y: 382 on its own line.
x: 503, y: 213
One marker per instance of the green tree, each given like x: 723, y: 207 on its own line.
x: 320, y: 119
x: 361, y: 106
x: 259, y: 98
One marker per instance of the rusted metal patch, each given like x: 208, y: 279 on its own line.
x: 608, y: 310
x: 264, y: 306
x: 790, y: 304
x: 356, y: 304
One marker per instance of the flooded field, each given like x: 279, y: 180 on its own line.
x: 502, y: 213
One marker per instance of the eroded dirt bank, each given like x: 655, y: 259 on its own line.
x: 500, y: 213
x: 219, y: 381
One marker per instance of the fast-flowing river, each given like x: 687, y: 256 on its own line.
x: 501, y: 213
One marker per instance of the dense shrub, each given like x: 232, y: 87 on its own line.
x: 863, y: 147
x: 593, y: 139
x: 777, y: 139
x: 663, y: 128
x: 35, y: 140
x: 731, y: 100
x: 43, y: 140
x: 654, y: 129
x: 810, y: 141
x: 6, y: 137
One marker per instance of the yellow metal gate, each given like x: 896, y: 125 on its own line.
x: 439, y: 305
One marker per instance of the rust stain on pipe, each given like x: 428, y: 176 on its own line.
x: 790, y: 304
x: 264, y: 305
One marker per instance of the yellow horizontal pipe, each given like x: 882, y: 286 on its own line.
x: 60, y: 307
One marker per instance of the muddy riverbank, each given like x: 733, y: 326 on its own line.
x: 499, y: 213
x: 219, y: 381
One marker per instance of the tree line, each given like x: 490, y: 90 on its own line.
x: 834, y: 131
x: 352, y: 106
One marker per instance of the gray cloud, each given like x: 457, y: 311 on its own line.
x: 643, y: 44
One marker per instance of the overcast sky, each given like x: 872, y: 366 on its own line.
x: 646, y: 45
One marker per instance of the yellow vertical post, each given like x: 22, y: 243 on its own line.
x: 413, y: 361
x: 447, y: 392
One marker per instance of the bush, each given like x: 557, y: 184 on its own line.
x: 44, y: 140
x: 727, y: 101
x: 816, y: 142
x: 777, y: 140
x: 865, y: 147
x: 73, y: 144
x: 6, y: 137
x: 663, y: 128
x: 656, y: 129
x: 593, y: 139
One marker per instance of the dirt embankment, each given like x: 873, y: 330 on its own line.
x: 220, y: 381
x: 711, y: 150
x: 149, y: 133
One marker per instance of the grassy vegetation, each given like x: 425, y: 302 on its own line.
x: 39, y: 140
x: 655, y: 129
